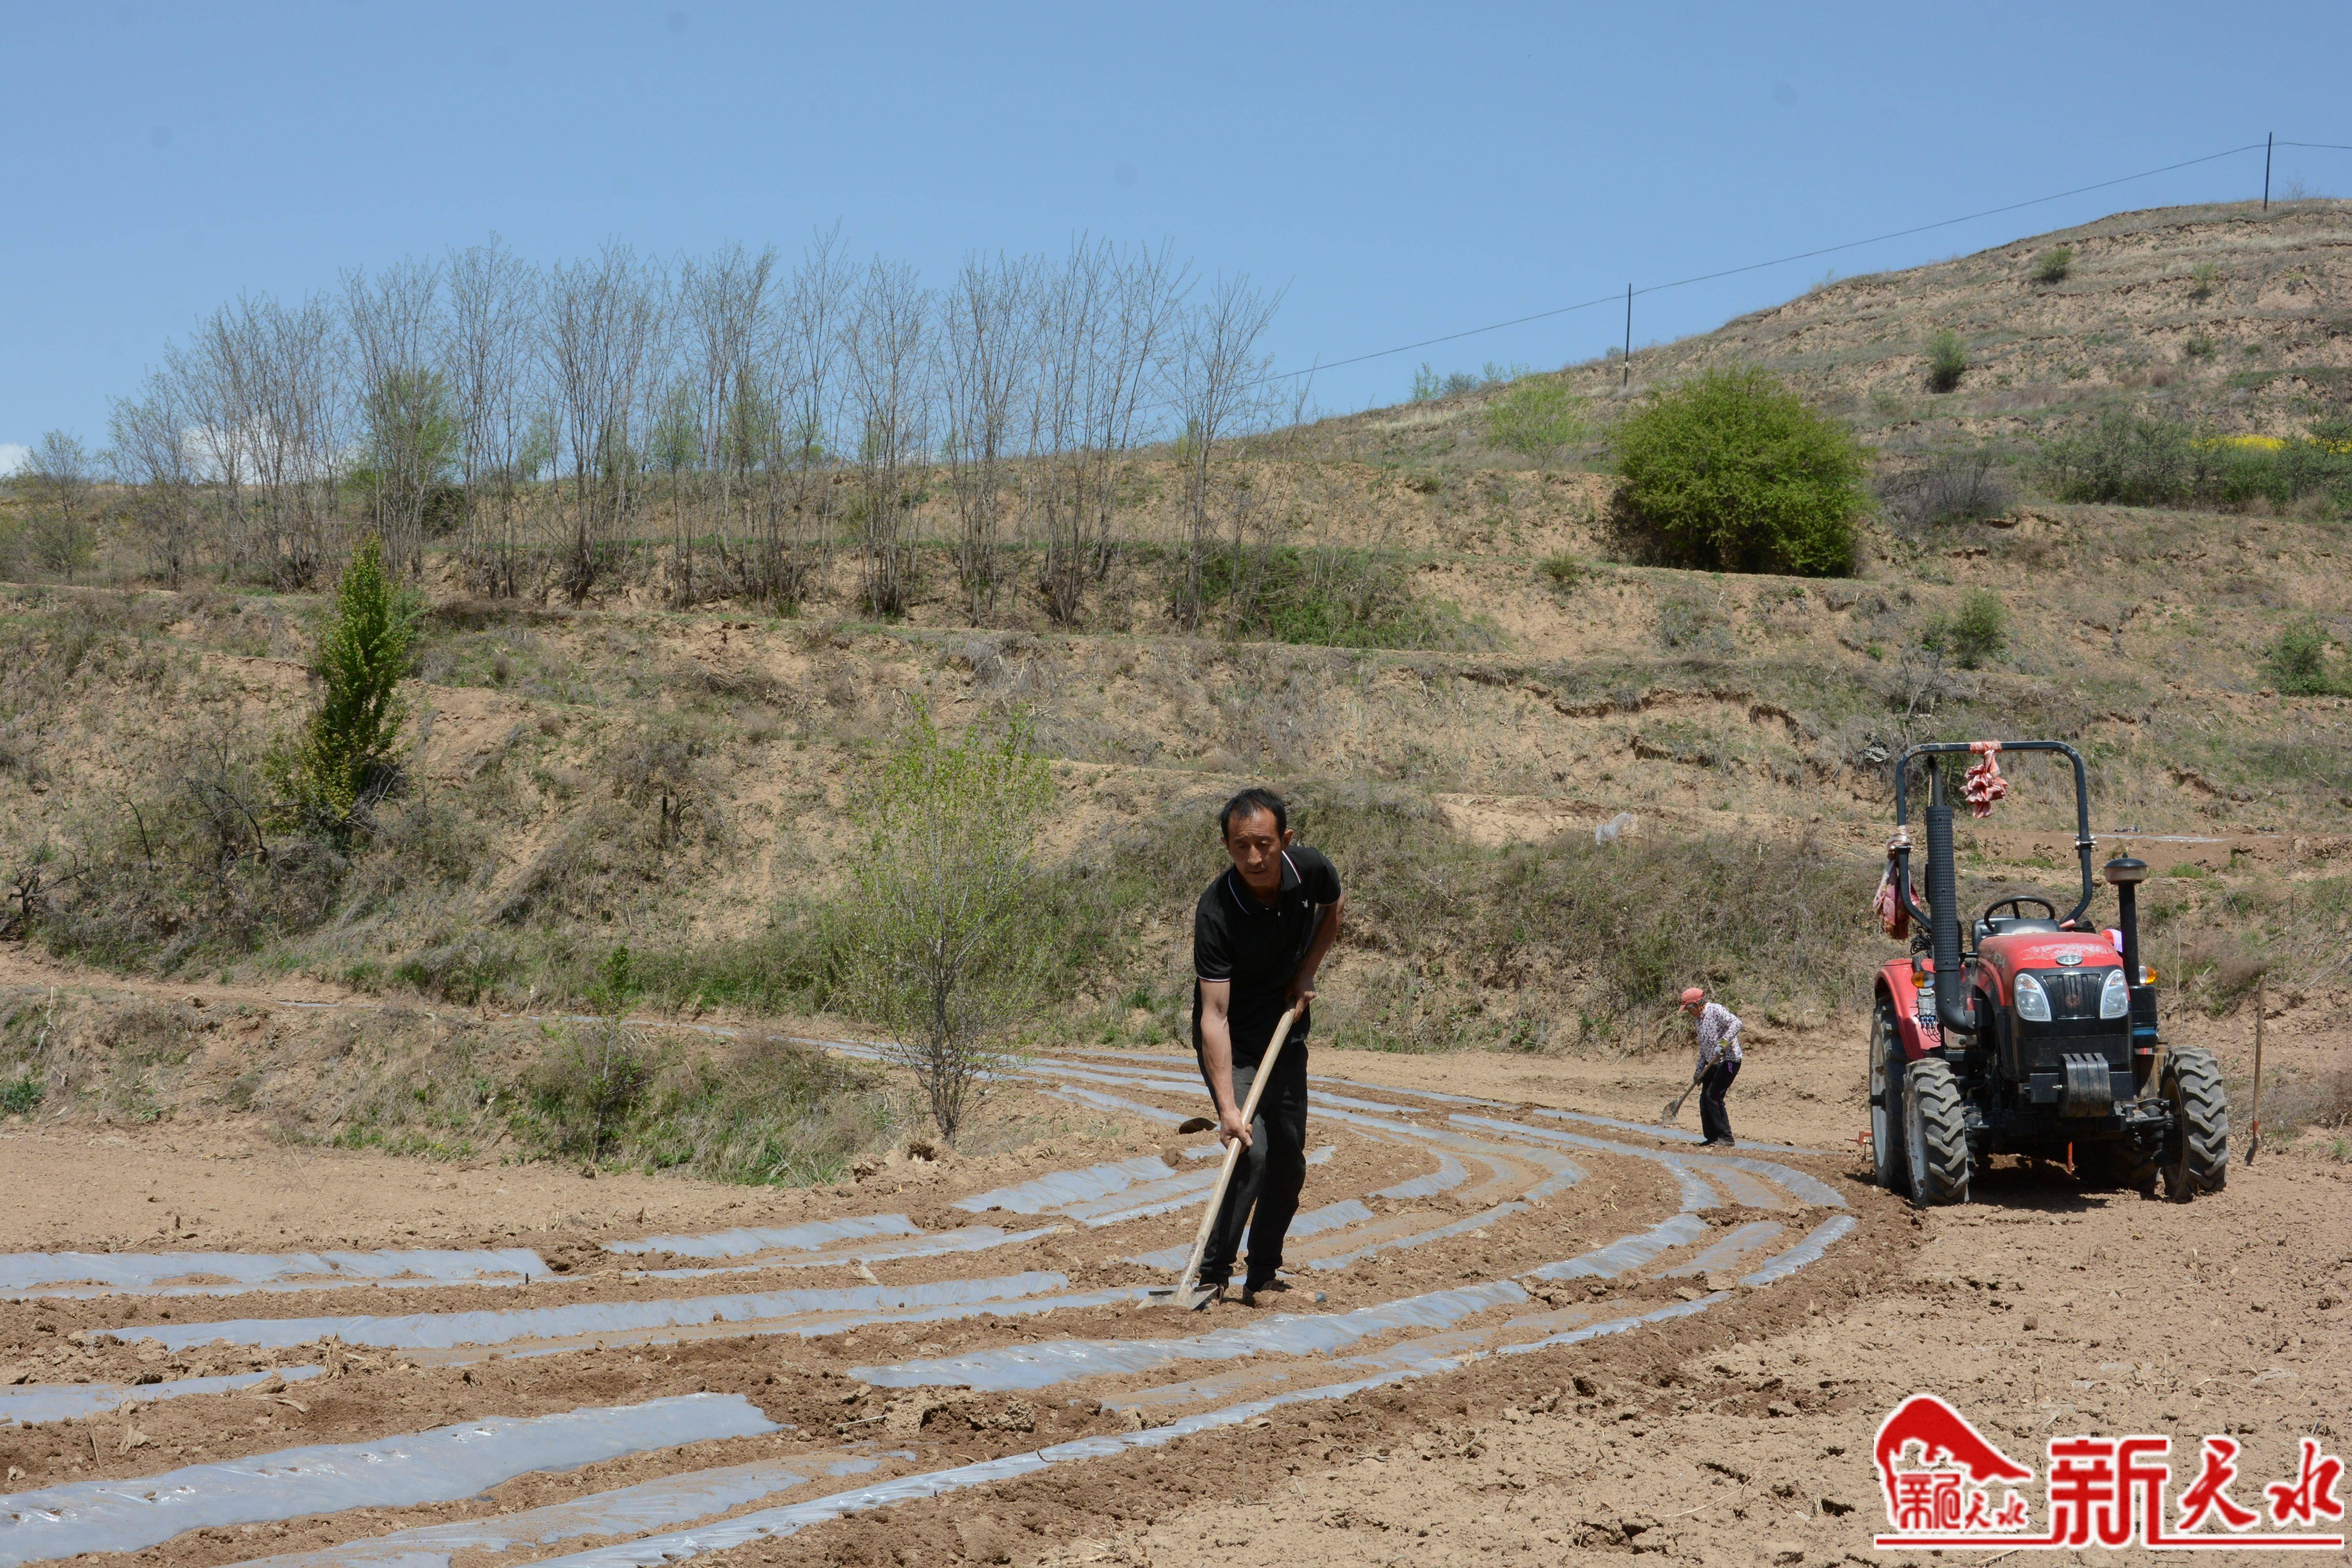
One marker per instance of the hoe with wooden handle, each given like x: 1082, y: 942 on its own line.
x: 1188, y: 1293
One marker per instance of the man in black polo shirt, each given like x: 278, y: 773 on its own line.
x: 1259, y: 934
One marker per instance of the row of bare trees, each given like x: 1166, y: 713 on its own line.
x: 730, y: 425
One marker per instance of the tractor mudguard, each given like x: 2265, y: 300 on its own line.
x: 1915, y: 1015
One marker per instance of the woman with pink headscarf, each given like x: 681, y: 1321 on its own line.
x: 1718, y: 1063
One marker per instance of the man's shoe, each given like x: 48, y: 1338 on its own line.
x: 1730, y: 1142
x: 1251, y: 1291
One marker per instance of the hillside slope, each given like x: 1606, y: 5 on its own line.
x: 2227, y: 316
x: 680, y: 780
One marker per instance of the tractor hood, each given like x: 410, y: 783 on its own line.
x: 2048, y: 950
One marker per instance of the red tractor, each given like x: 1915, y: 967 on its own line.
x: 2039, y: 1037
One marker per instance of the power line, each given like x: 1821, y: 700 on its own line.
x: 1947, y: 223
x: 2322, y: 146
x: 1781, y: 260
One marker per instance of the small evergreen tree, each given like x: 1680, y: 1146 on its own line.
x: 2296, y: 661
x: 345, y: 759
x: 1947, y: 361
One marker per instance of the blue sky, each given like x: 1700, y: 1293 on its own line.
x: 1402, y: 171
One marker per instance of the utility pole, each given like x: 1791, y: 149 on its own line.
x: 2270, y: 139
x: 1627, y: 364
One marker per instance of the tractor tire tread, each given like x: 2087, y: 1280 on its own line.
x: 2201, y: 1163
x: 1944, y: 1159
x: 1889, y: 1168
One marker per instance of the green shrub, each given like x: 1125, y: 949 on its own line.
x: 585, y: 1093
x: 938, y: 923
x: 2296, y: 661
x: 1536, y: 418
x: 2202, y: 276
x: 1733, y: 470
x: 1977, y: 631
x: 1427, y: 384
x: 2123, y: 458
x: 19, y: 1096
x: 1329, y: 596
x: 2140, y: 461
x: 1947, y: 361
x: 2199, y: 345
x: 2235, y: 475
x: 345, y: 760
x: 2052, y: 265
x: 1563, y: 572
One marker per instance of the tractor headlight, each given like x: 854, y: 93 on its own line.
x: 2032, y: 1002
x: 2115, y: 997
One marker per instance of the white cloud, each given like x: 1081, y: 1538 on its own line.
x: 12, y: 457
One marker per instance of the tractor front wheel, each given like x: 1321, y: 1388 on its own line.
x: 1935, y: 1135
x: 1887, y: 1098
x: 2197, y: 1152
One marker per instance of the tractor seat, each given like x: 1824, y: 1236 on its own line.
x: 2005, y: 925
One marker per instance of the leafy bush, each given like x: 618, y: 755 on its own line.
x: 2235, y: 472
x: 20, y: 1096
x: 2052, y: 265
x: 1947, y: 361
x: 1958, y: 487
x: 937, y: 925
x: 2202, y: 276
x: 1536, y: 418
x: 2125, y: 458
x: 1733, y: 470
x: 344, y: 760
x: 2140, y: 461
x: 2296, y: 661
x: 2201, y: 345
x: 1977, y: 631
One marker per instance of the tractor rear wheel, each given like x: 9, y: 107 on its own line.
x: 1935, y: 1135
x: 2197, y: 1153
x: 2118, y: 1164
x: 1887, y: 1098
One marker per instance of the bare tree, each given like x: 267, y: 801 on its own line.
x: 1103, y: 325
x: 404, y: 406
x: 57, y: 479
x: 1219, y: 385
x: 987, y: 317
x: 151, y: 456
x: 214, y: 383
x: 884, y: 343
x: 486, y: 349
x: 726, y: 306
x: 599, y: 335
x: 804, y: 382
x: 266, y: 378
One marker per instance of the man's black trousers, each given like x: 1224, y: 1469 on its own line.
x: 1272, y: 1171
x: 1713, y: 1120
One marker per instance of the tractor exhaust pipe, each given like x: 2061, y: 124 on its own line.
x: 1954, y: 1008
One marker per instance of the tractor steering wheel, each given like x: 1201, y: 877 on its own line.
x: 2016, y: 906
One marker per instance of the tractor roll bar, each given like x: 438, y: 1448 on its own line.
x: 2082, y: 841
x: 1941, y: 919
